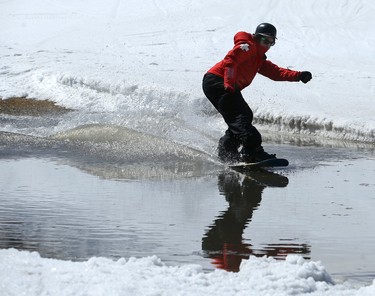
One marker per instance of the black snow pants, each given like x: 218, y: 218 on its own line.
x: 237, y: 115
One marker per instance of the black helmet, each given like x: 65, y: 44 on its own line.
x: 266, y: 29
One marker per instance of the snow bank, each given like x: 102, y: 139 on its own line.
x: 94, y: 55
x: 25, y: 273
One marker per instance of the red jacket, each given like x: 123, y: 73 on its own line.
x: 245, y: 60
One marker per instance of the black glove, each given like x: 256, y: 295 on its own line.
x: 305, y: 76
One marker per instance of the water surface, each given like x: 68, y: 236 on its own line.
x: 68, y: 206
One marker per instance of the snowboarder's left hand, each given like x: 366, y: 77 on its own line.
x: 305, y: 76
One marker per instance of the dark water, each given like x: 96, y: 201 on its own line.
x: 69, y: 204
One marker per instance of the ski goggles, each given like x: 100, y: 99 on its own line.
x: 267, y: 41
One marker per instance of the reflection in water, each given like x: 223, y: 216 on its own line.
x: 223, y: 241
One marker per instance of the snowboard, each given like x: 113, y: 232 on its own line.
x: 268, y: 163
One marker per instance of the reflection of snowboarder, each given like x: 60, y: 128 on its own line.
x: 223, y: 240
x: 223, y: 83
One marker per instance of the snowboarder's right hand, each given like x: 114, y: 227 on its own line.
x: 305, y: 76
x: 229, y: 89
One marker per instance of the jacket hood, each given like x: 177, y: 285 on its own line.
x: 244, y: 37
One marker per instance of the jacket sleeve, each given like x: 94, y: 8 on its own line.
x: 230, y: 70
x: 277, y: 73
x: 231, y: 61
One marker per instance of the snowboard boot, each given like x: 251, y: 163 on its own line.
x: 228, y: 148
x: 256, y: 155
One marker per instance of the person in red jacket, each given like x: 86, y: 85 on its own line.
x: 222, y: 85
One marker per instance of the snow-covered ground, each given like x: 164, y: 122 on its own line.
x: 25, y: 273
x: 149, y: 57
x: 139, y: 64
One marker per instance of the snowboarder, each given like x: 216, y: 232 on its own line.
x: 222, y: 85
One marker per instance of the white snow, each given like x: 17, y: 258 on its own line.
x: 25, y: 273
x: 118, y: 56
x: 123, y: 62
